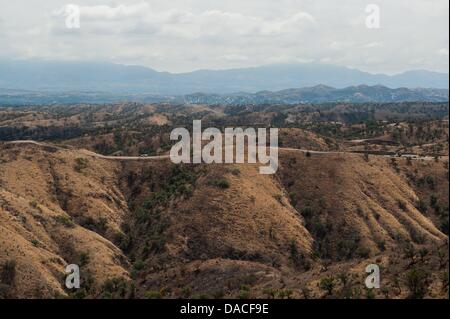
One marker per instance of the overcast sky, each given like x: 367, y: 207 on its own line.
x: 185, y: 35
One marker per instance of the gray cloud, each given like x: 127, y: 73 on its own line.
x: 194, y: 34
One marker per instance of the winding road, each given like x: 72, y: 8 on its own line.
x: 162, y: 157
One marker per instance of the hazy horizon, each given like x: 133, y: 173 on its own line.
x: 214, y: 69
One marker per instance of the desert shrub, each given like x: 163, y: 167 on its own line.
x: 363, y: 252
x: 126, y: 228
x: 306, y: 292
x: 65, y: 220
x: 285, y: 293
x: 319, y: 228
x: 409, y: 252
x: 8, y: 272
x: 80, y: 164
x: 178, y: 183
x: 395, y: 164
x: 366, y: 157
x: 327, y: 284
x: 401, y: 205
x: 98, y: 226
x: 222, y: 183
x: 348, y: 245
x: 138, y: 265
x: 360, y: 212
x: 445, y: 225
x: 299, y: 259
x: 241, y: 281
x: 179, y: 177
x: 145, y: 233
x: 416, y: 237
x: 248, y: 279
x: 444, y: 279
x: 433, y: 200
x: 5, y: 291
x: 236, y: 172
x: 156, y: 244
x: 293, y: 198
x: 34, y: 204
x: 430, y: 181
x: 423, y: 252
x: 270, y: 293
x: 370, y: 294
x: 116, y: 288
x: 422, y: 206
x: 84, y: 258
x: 306, y: 212
x: 35, y: 242
x: 87, y: 288
x: 417, y: 283
x: 278, y: 198
x: 151, y: 294
x: 385, y: 291
x: 186, y: 292
x: 437, y: 209
x: 381, y: 244
x: 121, y: 240
x: 218, y: 293
x: 153, y: 201
x: 244, y: 294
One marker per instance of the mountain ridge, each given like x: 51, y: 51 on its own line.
x: 316, y: 94
x: 61, y: 76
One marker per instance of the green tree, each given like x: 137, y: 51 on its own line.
x: 417, y: 283
x: 327, y: 284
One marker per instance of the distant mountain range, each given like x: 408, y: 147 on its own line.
x: 316, y: 94
x: 323, y: 94
x: 64, y: 76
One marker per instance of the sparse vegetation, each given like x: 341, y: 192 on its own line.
x: 194, y: 231
x: 417, y: 282
x: 65, y: 221
x: 153, y: 294
x: 84, y: 258
x: 401, y: 205
x: 222, y: 183
x: 327, y: 284
x: 80, y: 164
x: 8, y: 272
x: 117, y: 288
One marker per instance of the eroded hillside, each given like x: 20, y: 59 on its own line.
x: 148, y: 228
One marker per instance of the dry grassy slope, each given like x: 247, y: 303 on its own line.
x: 43, y: 201
x: 252, y: 216
x: 218, y: 238
x: 359, y: 198
x: 429, y: 179
x: 302, y: 139
x: 130, y: 143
